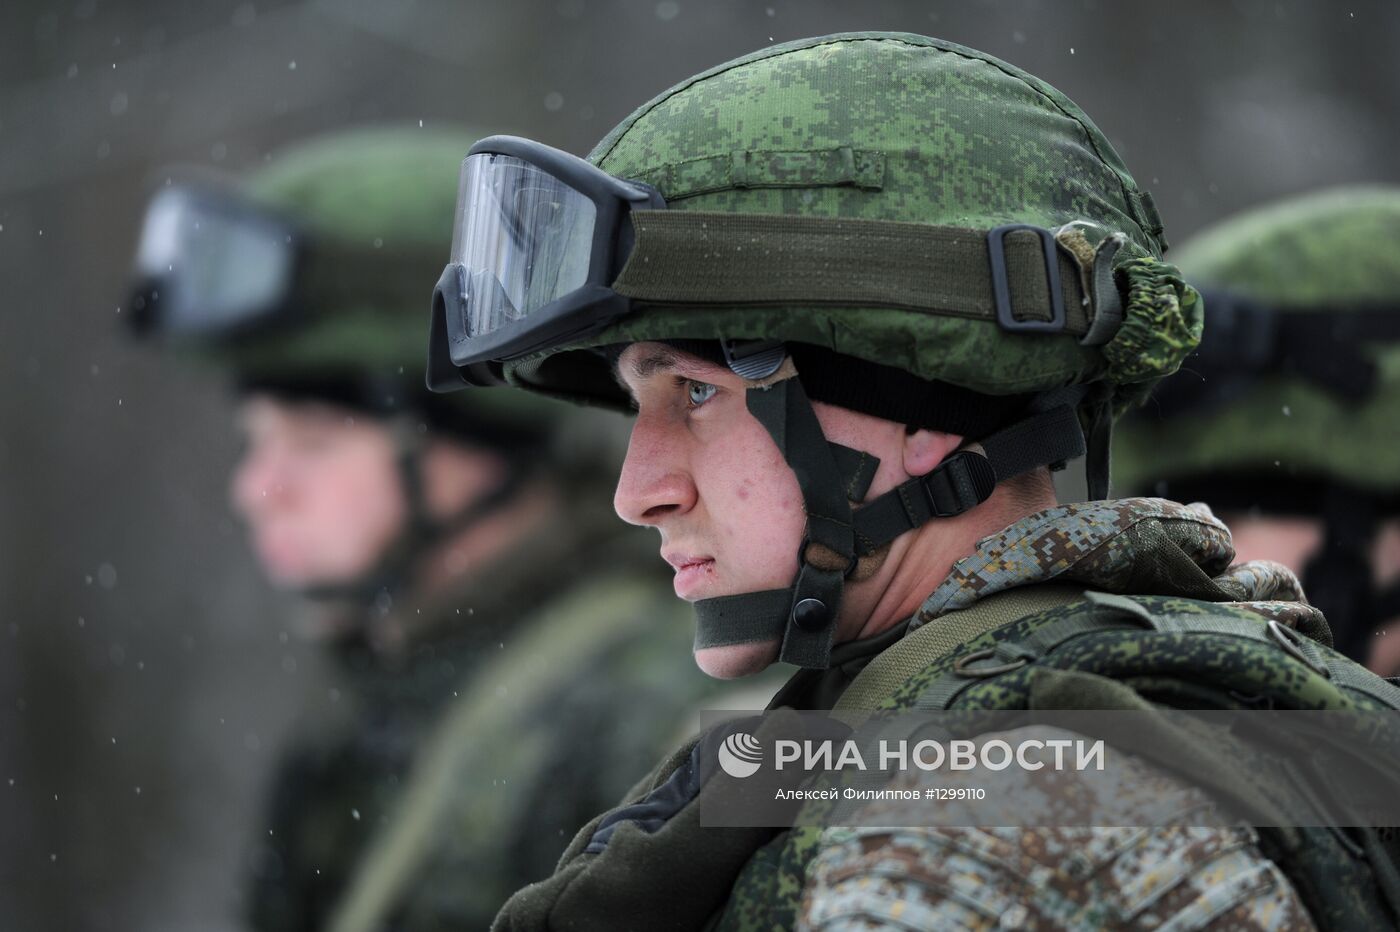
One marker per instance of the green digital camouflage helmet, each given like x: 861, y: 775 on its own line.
x: 1291, y: 405
x: 895, y: 127
x: 926, y: 233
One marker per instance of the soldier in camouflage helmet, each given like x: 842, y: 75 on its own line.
x: 864, y: 293
x: 1284, y: 420
x: 488, y: 620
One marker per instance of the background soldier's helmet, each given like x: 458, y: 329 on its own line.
x: 1291, y: 406
x: 309, y: 282
x: 369, y: 215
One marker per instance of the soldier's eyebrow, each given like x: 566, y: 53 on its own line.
x: 647, y: 364
x: 643, y: 366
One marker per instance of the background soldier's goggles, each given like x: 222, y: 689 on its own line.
x: 211, y: 264
x: 548, y: 248
x: 207, y: 262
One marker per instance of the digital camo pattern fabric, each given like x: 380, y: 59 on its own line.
x: 1075, y: 879
x: 1097, y: 544
x: 1204, y: 873
x: 1142, y: 545
x: 756, y: 881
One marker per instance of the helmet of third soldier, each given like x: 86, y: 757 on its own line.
x: 1299, y: 377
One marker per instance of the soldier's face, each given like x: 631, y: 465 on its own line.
x: 319, y: 490
x: 706, y: 474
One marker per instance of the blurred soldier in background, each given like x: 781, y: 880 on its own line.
x: 1287, y: 420
x: 486, y: 611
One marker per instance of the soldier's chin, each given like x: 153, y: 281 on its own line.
x: 735, y: 660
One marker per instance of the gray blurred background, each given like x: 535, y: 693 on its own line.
x: 147, y: 675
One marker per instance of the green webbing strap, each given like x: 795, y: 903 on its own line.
x: 1107, y: 300
x: 704, y: 257
x: 966, y: 479
x: 747, y: 618
x: 805, y: 614
x: 754, y: 617
x: 1099, y: 441
x: 787, y: 415
x: 1119, y: 613
x: 938, y: 638
x: 858, y: 469
x: 1355, y: 676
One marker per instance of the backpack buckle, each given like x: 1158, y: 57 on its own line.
x: 1292, y: 644
x: 1001, y: 286
x: 959, y: 483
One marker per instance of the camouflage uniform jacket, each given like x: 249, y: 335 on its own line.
x: 650, y: 864
x: 567, y: 637
x: 1079, y: 878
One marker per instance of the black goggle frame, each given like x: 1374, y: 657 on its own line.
x: 455, y: 357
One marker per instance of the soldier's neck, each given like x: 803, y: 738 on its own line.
x: 920, y: 560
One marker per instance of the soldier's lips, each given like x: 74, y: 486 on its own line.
x: 692, y: 573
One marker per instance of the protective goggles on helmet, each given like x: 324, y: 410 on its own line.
x: 547, y: 248
x: 540, y: 236
x: 211, y: 264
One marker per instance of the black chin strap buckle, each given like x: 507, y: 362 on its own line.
x: 960, y: 483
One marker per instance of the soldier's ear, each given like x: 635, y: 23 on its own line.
x: 924, y: 449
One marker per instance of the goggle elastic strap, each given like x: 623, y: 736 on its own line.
x: 831, y: 477
x: 1249, y: 342
x: 1013, y: 275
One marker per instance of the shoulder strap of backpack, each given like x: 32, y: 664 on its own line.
x: 1119, y: 613
x: 939, y: 638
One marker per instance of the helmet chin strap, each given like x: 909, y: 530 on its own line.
x: 803, y: 616
x: 421, y: 530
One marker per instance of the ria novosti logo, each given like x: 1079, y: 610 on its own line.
x: 740, y: 755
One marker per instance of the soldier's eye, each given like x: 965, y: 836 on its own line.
x: 700, y: 392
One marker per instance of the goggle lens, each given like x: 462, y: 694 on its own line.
x: 212, y: 269
x: 524, y: 238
